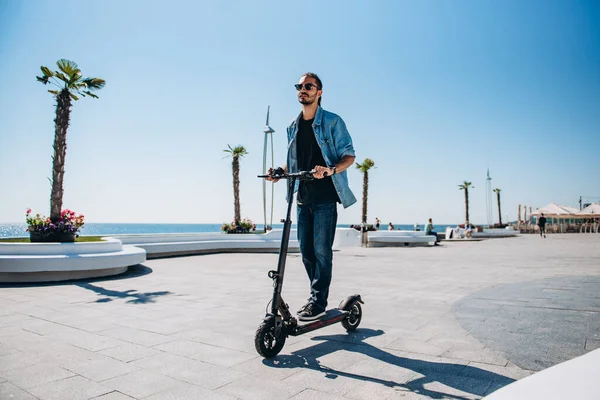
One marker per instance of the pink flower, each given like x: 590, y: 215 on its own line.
x: 29, y: 211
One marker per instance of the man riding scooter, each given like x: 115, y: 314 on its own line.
x: 318, y: 140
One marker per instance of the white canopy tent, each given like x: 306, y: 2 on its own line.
x: 591, y: 211
x: 553, y: 210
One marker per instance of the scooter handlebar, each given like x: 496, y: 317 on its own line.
x: 302, y: 175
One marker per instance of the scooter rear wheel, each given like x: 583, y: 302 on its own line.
x: 267, y: 343
x: 353, y: 319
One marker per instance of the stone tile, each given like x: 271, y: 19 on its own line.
x: 100, y: 370
x: 277, y: 368
x: 227, y: 341
x: 9, y: 391
x: 258, y: 388
x: 43, y: 327
x: 75, y: 388
x: 182, y: 347
x: 591, y: 344
x: 17, y: 361
x: 418, y: 346
x: 322, y: 381
x: 137, y: 336
x: 141, y: 384
x: 86, y: 340
x: 113, y: 396
x: 221, y: 356
x: 129, y: 352
x: 483, y: 355
x: 37, y: 374
x: 186, y: 391
x: 188, y: 370
x: 6, y: 350
x: 436, y: 386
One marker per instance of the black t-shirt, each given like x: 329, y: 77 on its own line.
x: 317, y: 191
x: 542, y: 222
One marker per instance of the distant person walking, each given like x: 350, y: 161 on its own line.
x: 390, y: 227
x: 377, y: 223
x: 429, y: 231
x: 542, y: 225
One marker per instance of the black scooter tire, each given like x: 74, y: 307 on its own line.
x: 351, y: 322
x: 266, y: 342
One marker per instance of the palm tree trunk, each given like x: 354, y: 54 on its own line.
x: 365, y: 195
x: 466, y: 205
x: 61, y: 124
x: 235, y: 165
x: 499, y: 212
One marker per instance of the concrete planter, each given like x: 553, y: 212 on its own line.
x: 48, y: 262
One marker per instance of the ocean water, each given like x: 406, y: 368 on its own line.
x: 94, y: 229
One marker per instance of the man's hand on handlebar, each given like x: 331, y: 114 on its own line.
x: 321, y: 172
x: 272, y: 171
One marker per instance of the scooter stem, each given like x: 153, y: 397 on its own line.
x: 283, y: 249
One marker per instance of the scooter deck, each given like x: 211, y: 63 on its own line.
x: 331, y: 317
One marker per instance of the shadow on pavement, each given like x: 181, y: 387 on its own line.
x: 134, y: 298
x: 132, y: 272
x: 458, y: 376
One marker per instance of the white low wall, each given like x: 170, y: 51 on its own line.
x: 158, y: 245
x: 488, y: 233
x: 42, y: 262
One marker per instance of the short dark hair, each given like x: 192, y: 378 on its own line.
x: 319, y: 83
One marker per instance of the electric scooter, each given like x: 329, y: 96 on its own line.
x: 279, y: 323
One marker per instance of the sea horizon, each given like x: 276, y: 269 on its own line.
x: 19, y: 229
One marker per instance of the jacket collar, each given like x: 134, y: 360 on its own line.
x: 318, y: 117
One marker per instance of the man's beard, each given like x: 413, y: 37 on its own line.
x: 307, y: 100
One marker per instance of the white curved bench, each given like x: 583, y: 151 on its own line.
x: 49, y: 262
x: 399, y: 238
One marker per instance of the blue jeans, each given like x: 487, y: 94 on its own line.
x: 432, y: 233
x: 316, y: 231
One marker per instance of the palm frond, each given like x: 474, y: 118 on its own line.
x: 366, y: 165
x: 90, y: 94
x: 75, y: 77
x: 47, y: 72
x: 55, y: 92
x: 73, y: 96
x: 68, y: 67
x: 62, y: 77
x: 237, y: 151
x: 93, y: 83
x: 43, y: 79
x: 465, y: 185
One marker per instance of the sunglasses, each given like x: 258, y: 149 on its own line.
x: 307, y: 86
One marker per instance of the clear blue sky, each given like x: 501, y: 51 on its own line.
x: 435, y: 92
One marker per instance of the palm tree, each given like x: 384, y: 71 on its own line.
x: 465, y: 186
x: 236, y: 153
x: 497, y: 191
x: 70, y: 83
x: 364, y: 168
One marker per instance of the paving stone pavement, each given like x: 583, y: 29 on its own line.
x: 456, y: 321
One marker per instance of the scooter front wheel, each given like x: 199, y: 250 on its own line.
x: 268, y: 344
x: 353, y: 319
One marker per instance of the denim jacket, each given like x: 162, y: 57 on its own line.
x: 335, y: 143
